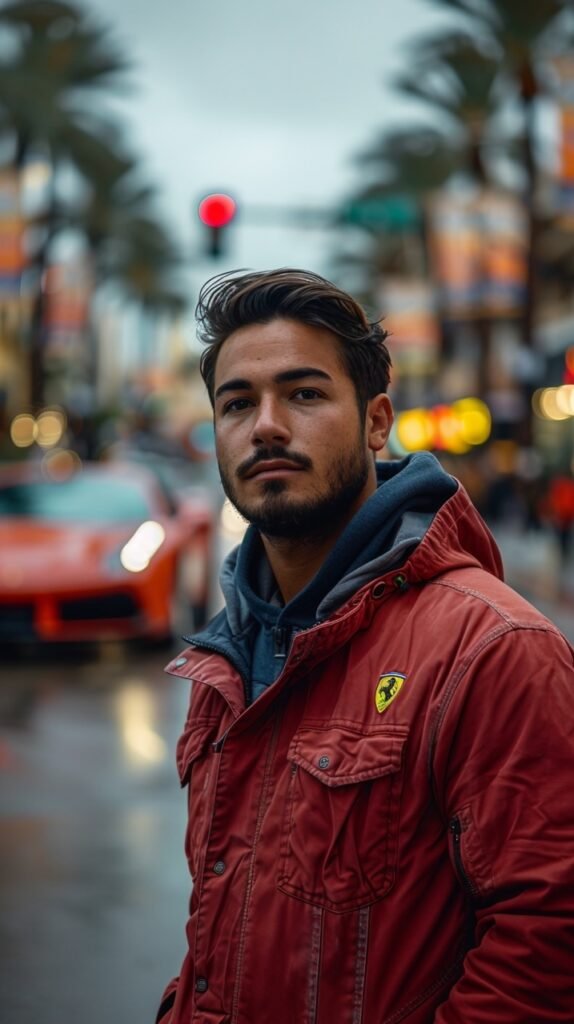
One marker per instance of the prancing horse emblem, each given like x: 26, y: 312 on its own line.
x: 388, y: 687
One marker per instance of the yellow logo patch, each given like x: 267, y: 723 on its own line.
x: 388, y: 687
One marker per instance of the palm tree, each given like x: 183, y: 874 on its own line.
x: 520, y: 35
x: 456, y: 77
x: 57, y: 56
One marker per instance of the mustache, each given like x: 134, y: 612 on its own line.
x: 270, y: 453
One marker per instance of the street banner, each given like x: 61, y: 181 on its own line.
x: 456, y: 254
x: 504, y: 233
x: 410, y: 318
x: 12, y: 258
x: 478, y: 249
x: 566, y: 163
x: 68, y: 292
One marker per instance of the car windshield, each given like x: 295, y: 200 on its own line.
x: 80, y: 499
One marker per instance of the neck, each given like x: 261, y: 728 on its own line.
x: 295, y: 562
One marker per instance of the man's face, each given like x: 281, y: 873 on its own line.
x: 293, y: 454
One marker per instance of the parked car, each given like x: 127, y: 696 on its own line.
x: 103, y: 551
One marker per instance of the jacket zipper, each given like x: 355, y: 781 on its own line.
x: 280, y: 642
x: 455, y: 829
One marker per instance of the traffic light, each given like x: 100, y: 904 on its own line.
x: 216, y: 211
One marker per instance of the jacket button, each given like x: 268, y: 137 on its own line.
x: 324, y: 761
x: 219, y: 867
x: 201, y: 985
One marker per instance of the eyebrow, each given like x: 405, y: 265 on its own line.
x: 286, y: 376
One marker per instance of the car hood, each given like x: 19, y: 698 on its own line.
x: 56, y: 547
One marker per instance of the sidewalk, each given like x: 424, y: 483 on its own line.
x: 532, y: 565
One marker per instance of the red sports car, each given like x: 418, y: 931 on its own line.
x: 103, y: 551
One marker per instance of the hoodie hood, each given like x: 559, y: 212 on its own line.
x: 419, y: 520
x: 390, y: 524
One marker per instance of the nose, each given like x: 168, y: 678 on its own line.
x: 271, y: 424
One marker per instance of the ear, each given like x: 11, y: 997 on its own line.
x: 378, y: 422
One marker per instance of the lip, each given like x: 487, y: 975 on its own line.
x: 273, y: 468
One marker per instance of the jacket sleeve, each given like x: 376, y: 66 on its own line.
x: 503, y: 771
x: 167, y: 1001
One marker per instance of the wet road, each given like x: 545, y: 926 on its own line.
x: 92, y: 876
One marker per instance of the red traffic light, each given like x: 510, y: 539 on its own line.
x: 217, y: 210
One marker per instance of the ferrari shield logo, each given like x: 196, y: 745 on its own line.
x: 388, y: 688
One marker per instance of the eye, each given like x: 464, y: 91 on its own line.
x: 307, y: 394
x: 236, y: 405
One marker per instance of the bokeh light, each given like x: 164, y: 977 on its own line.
x: 415, y: 430
x: 23, y: 430
x: 50, y: 427
x: 136, y: 555
x: 475, y: 421
x: 232, y: 524
x: 453, y: 428
x: 60, y: 464
x: 546, y: 404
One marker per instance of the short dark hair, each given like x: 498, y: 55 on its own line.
x: 233, y: 300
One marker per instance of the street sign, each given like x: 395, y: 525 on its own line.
x: 392, y: 213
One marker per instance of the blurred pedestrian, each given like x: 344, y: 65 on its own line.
x: 558, y: 507
x: 380, y: 731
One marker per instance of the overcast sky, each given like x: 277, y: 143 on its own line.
x: 268, y: 101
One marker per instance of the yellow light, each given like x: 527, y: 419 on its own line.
x: 549, y: 407
x: 536, y: 399
x: 23, y: 430
x: 232, y: 524
x: 415, y: 430
x: 565, y: 399
x: 50, y: 427
x: 136, y: 555
x: 474, y: 420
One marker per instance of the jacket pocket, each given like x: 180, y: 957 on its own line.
x: 195, y: 763
x: 341, y: 824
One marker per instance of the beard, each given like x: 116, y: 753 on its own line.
x: 280, y: 515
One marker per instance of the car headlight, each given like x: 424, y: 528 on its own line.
x: 139, y: 550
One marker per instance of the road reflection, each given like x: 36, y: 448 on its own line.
x: 92, y: 875
x: 135, y: 709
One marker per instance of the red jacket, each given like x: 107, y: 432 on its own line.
x: 387, y: 834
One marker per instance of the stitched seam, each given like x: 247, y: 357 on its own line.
x: 513, y: 622
x: 315, y: 962
x: 466, y: 664
x: 361, y: 964
x: 326, y: 725
x: 198, y: 883
x: 451, y: 688
x: 259, y: 824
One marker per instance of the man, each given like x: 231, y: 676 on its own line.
x: 380, y: 731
